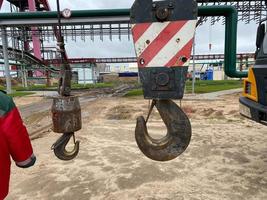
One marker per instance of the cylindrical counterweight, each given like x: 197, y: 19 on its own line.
x: 66, y: 114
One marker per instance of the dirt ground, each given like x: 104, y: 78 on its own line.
x: 226, y: 159
x: 26, y: 100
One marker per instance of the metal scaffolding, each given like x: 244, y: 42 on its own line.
x: 248, y: 10
x: 73, y: 32
x: 239, y: 56
x: 87, y: 25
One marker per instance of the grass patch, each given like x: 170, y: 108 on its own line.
x: 35, y: 88
x: 17, y: 93
x: 92, y: 86
x: 135, y: 92
x: 213, y: 86
x: 200, y: 87
x: 54, y: 88
x: 20, y: 94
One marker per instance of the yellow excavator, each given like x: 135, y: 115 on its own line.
x: 253, y: 103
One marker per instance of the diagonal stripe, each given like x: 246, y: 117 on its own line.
x: 184, y: 35
x: 160, y: 41
x: 139, y: 29
x: 149, y: 35
x: 185, y: 51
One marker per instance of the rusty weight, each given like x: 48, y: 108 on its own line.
x: 66, y: 114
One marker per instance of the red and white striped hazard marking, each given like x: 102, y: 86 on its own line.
x: 166, y: 44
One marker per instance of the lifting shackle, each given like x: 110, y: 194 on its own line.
x: 178, y: 132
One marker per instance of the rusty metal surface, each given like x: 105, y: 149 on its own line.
x: 178, y: 133
x: 66, y: 109
x: 59, y: 147
x: 66, y: 114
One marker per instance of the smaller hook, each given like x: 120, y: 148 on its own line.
x: 59, y: 147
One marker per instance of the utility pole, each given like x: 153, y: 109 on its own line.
x: 84, y: 81
x: 6, y: 62
x: 194, y: 66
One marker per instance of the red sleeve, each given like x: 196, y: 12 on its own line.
x: 17, y: 136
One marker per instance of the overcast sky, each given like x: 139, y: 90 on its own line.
x: 116, y: 48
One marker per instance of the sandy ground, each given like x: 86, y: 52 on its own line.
x: 227, y: 157
x: 26, y: 100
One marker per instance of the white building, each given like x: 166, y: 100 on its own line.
x: 133, y: 67
x: 87, y: 73
x: 2, y: 71
x: 118, y: 68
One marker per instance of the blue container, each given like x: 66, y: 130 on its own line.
x: 209, y: 74
x: 203, y: 76
x: 128, y: 74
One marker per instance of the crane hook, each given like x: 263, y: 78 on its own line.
x: 59, y: 147
x: 178, y: 132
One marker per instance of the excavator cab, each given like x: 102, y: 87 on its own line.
x: 253, y: 103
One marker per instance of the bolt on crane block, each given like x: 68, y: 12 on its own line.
x: 163, y: 34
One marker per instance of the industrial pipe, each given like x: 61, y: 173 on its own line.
x: 74, y: 14
x: 229, y: 12
x: 231, y: 18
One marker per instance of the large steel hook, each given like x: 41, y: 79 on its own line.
x: 59, y: 147
x: 178, y: 132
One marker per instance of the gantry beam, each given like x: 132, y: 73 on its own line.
x: 82, y: 17
x: 123, y: 16
x: 240, y: 56
x: 24, y: 58
x: 114, y: 16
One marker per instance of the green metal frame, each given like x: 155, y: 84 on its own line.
x: 229, y: 12
x: 75, y: 14
x: 15, y: 64
x: 231, y: 15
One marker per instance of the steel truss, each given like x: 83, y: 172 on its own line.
x: 73, y: 33
x: 26, y: 59
x: 241, y: 56
x: 249, y: 10
x: 106, y: 26
x: 84, y: 24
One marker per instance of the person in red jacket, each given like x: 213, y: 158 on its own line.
x: 14, y: 142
